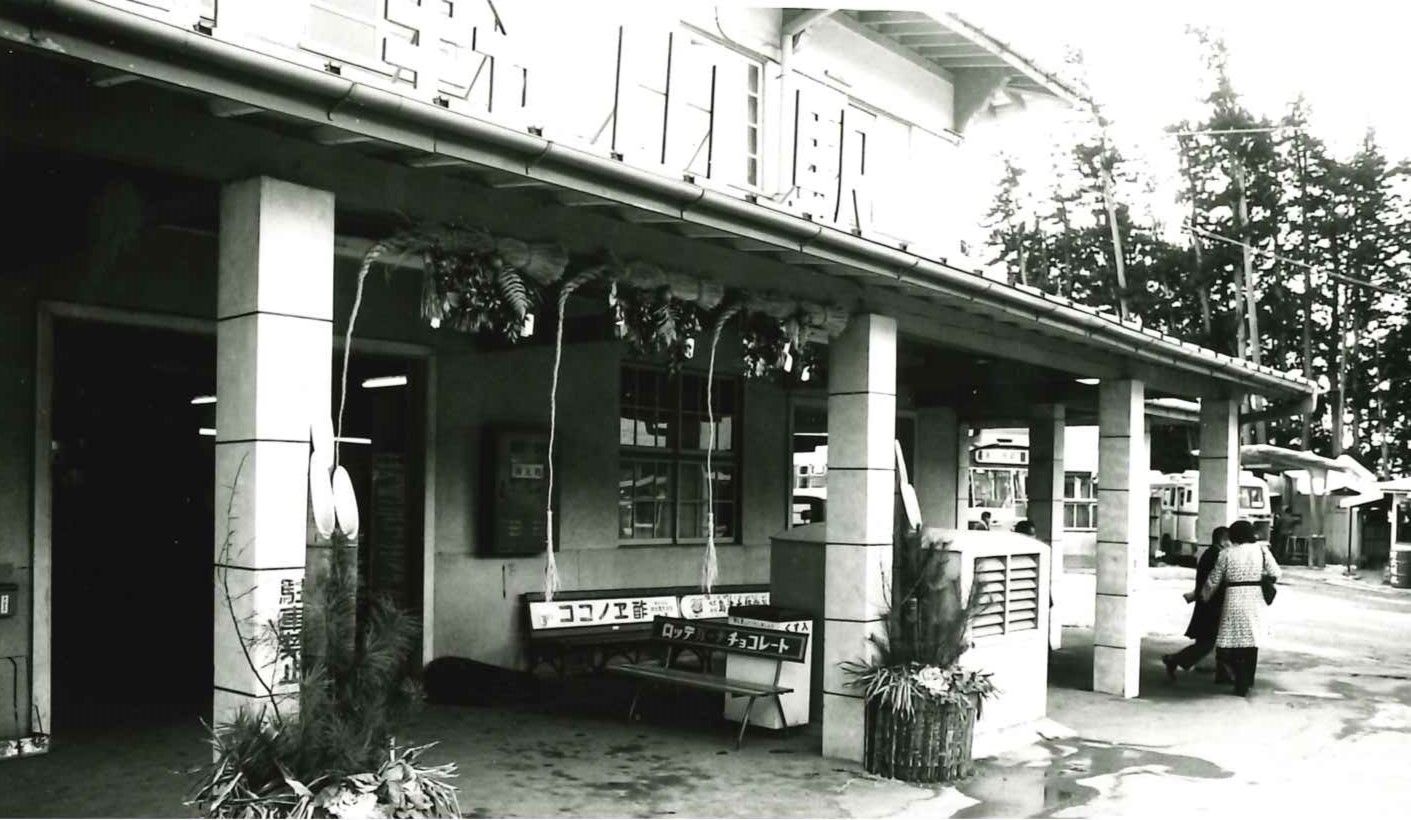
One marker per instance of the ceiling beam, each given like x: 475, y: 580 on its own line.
x: 577, y: 199
x: 431, y: 161
x: 328, y: 135
x: 499, y: 181
x: 893, y: 46
x: 225, y: 109
x: 907, y: 26
x: 803, y: 19
x: 640, y: 217
x: 934, y: 53
x: 870, y: 17
x: 971, y: 62
x: 938, y: 37
x: 107, y: 78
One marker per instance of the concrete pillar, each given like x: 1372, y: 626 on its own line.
x: 274, y: 347
x: 1045, y: 488
x: 962, y: 474
x: 862, y: 381
x: 1122, y: 509
x: 1219, y: 466
x: 937, y: 480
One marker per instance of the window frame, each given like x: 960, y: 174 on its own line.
x: 1086, y: 480
x: 678, y: 457
x: 752, y: 62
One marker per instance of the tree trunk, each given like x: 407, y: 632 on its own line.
x: 1119, y: 266
x: 1202, y: 292
x: 1023, y: 256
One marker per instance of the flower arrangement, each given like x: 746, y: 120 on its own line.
x: 921, y: 704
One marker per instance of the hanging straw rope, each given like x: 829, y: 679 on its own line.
x: 551, y: 569
x: 710, y: 564
x: 373, y: 254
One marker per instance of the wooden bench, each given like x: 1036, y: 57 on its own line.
x: 604, y: 624
x: 676, y: 634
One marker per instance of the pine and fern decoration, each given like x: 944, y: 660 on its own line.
x: 784, y: 340
x: 921, y: 704
x: 659, y: 314
x: 481, y: 284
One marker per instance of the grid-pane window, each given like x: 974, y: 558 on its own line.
x: 664, y: 432
x: 1079, y: 501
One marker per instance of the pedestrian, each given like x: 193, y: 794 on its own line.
x: 1025, y: 527
x: 1283, y: 527
x: 1241, y: 569
x: 1205, y: 619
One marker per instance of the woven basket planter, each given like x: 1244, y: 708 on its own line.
x: 931, y: 745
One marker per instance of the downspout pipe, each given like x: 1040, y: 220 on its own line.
x: 438, y: 130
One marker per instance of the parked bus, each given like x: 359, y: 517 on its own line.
x: 999, y: 474
x: 1175, y: 506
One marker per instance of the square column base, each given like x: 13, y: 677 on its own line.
x: 844, y: 726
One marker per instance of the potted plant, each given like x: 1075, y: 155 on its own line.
x: 335, y: 755
x: 921, y: 703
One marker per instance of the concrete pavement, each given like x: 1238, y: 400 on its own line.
x: 1327, y: 730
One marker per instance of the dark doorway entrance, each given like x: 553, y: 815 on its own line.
x: 133, y: 469
x: 133, y: 521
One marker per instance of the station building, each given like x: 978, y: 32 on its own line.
x: 196, y: 183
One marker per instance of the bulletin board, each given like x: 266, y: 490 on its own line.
x: 514, y: 491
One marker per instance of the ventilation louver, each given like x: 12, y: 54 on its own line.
x: 1009, y: 595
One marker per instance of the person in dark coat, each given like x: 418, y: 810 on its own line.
x: 1205, y: 620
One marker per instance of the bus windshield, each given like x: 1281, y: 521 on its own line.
x: 991, y: 488
x: 1251, y: 497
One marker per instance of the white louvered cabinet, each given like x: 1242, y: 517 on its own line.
x: 1010, y: 625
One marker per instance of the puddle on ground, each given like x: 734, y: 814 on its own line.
x: 1376, y: 712
x: 1040, y: 789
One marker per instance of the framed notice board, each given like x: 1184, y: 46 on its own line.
x: 514, y: 489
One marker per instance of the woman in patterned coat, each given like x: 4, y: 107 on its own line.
x: 1240, y: 569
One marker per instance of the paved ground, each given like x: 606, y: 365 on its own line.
x: 1327, y: 730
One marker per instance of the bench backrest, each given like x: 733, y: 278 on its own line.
x: 608, y: 607
x: 774, y: 644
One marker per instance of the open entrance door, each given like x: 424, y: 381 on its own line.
x: 133, y: 430
x: 133, y: 471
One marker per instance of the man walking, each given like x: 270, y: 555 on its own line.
x: 1205, y: 620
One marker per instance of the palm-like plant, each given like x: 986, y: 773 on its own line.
x: 926, y: 631
x: 338, y: 747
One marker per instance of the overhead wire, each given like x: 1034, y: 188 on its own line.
x: 1351, y: 280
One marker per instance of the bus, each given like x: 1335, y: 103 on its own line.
x: 1175, y: 506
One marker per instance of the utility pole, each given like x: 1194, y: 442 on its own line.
x: 1341, y: 386
x: 1384, y: 460
x: 1251, y: 303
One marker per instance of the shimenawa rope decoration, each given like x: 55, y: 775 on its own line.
x: 710, y: 567
x: 551, y: 569
x: 373, y: 254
